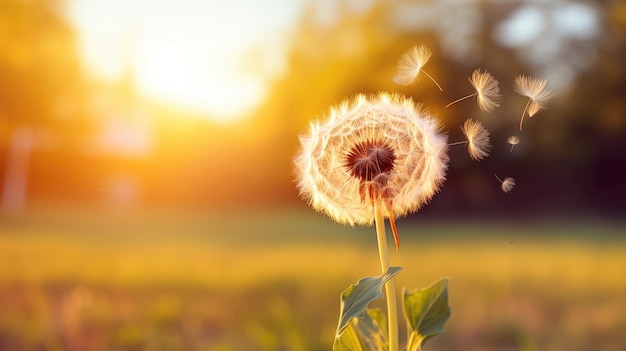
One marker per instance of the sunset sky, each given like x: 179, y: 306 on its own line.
x: 209, y: 56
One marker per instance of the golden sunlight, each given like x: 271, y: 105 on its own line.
x: 175, y: 74
x: 191, y: 54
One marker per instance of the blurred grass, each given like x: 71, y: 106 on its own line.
x: 270, y: 280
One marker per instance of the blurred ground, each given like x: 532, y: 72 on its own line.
x: 270, y: 280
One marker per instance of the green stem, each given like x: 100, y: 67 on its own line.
x: 390, y: 291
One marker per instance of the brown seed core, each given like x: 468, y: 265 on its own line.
x: 368, y: 159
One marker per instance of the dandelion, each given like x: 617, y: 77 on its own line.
x: 507, y: 184
x: 513, y: 140
x: 537, y: 93
x: 476, y: 138
x: 487, y: 91
x: 373, y: 157
x: 410, y: 66
x: 379, y: 150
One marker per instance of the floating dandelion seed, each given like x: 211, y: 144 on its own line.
x: 513, y: 140
x: 380, y: 150
x: 507, y: 184
x: 487, y: 91
x: 537, y: 93
x: 410, y: 66
x: 477, y: 140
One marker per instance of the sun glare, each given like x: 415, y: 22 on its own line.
x: 175, y: 74
x: 190, y: 53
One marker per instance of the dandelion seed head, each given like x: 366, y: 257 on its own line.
x: 477, y: 137
x: 487, y: 90
x: 410, y: 64
x: 380, y: 148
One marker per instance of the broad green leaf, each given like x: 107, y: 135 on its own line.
x: 373, y: 328
x: 350, y: 339
x: 365, y: 334
x: 426, y: 311
x: 356, y: 297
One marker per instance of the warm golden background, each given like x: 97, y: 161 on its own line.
x: 146, y: 186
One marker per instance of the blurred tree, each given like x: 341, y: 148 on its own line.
x: 41, y: 90
x: 40, y: 78
x: 596, y: 111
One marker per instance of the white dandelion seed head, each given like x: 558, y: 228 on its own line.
x: 410, y: 64
x: 508, y: 184
x: 487, y: 90
x: 380, y: 148
x: 535, y: 90
x: 477, y: 136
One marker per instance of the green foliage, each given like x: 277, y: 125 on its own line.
x: 362, y: 329
x: 426, y: 311
x: 356, y: 297
x: 368, y: 333
x: 349, y: 339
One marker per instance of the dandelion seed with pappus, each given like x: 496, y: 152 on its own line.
x: 410, y: 66
x: 476, y: 138
x: 507, y: 184
x: 536, y: 91
x: 513, y: 140
x: 487, y: 91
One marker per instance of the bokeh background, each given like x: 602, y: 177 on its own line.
x: 147, y: 191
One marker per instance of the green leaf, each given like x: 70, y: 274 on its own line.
x: 354, y: 301
x: 349, y: 339
x: 365, y: 334
x: 426, y: 311
x: 373, y: 328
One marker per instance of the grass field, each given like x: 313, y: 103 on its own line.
x: 271, y: 280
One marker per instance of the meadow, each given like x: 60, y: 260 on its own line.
x: 271, y: 279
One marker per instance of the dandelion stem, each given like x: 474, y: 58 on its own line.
x: 461, y: 99
x: 434, y: 81
x: 524, y: 113
x: 390, y: 294
x: 458, y: 143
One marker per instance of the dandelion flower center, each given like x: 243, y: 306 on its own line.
x: 369, y: 159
